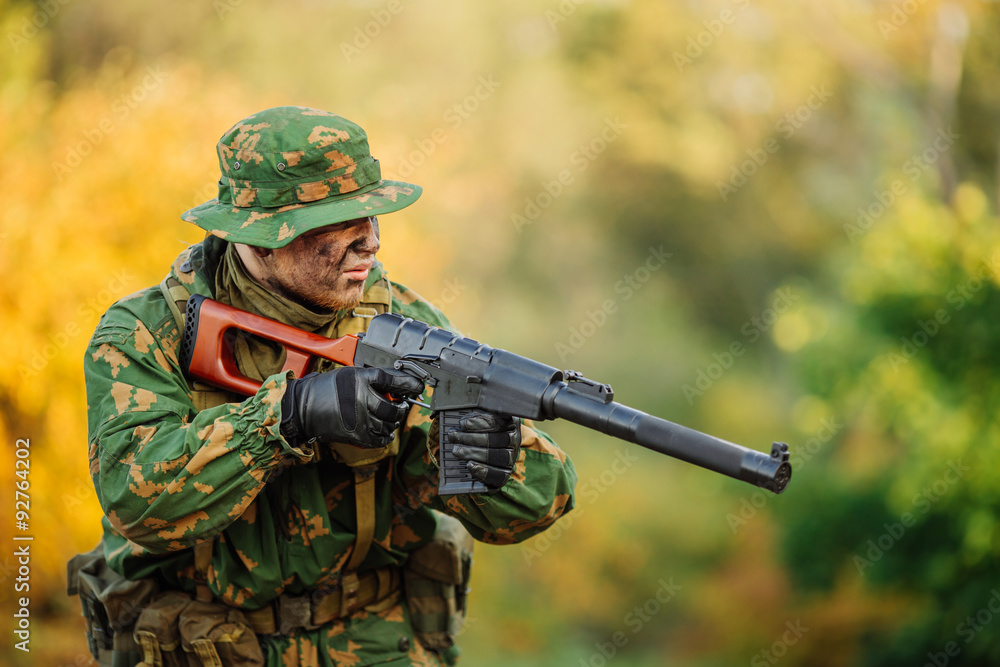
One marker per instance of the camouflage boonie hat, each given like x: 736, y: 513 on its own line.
x: 288, y: 170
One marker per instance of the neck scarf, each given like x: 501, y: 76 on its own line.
x: 258, y: 358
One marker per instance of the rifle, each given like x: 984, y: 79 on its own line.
x: 465, y: 375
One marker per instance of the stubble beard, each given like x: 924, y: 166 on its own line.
x: 315, y: 289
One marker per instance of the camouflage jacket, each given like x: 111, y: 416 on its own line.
x: 168, y: 476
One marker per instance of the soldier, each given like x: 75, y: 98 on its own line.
x: 301, y: 525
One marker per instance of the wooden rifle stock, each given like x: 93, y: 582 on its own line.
x: 207, y: 351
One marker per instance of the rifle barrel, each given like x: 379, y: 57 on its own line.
x: 771, y: 472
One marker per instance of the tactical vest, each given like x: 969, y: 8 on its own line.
x: 133, y: 623
x: 436, y: 574
x: 376, y: 300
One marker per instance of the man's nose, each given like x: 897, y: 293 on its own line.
x: 367, y: 240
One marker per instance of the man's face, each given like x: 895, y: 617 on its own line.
x: 325, y: 269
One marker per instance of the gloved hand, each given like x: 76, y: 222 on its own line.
x: 347, y: 405
x: 489, y: 444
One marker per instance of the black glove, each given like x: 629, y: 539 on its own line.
x: 347, y: 405
x: 489, y: 444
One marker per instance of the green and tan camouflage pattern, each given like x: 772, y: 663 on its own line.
x: 168, y: 476
x: 366, y: 638
x: 287, y: 170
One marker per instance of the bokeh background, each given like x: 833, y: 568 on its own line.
x: 765, y: 220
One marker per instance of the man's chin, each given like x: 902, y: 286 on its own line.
x: 334, y: 300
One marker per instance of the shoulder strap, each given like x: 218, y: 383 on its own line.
x: 364, y: 496
x: 176, y: 296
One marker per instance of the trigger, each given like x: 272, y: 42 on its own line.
x: 417, y: 372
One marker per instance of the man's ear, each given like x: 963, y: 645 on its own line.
x: 254, y: 260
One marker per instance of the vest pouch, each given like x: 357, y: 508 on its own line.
x: 178, y: 631
x: 111, y: 604
x: 436, y: 578
x: 219, y: 635
x: 158, y: 634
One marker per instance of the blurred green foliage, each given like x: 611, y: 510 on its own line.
x: 822, y: 175
x: 917, y: 519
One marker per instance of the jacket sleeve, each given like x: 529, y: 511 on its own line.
x: 540, y: 491
x: 166, y: 475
